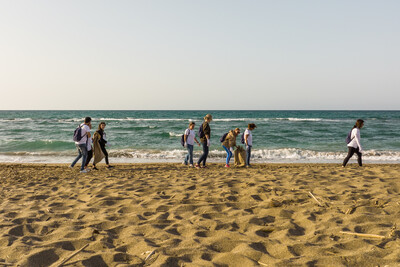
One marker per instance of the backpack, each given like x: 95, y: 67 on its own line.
x: 223, y: 137
x: 78, y: 134
x: 242, y: 139
x: 348, y: 138
x: 183, y: 139
x: 201, y: 131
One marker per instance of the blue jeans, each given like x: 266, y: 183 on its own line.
x: 203, y: 157
x: 82, y: 150
x: 248, y: 155
x: 228, y: 154
x: 189, y: 156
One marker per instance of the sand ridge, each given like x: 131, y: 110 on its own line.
x: 263, y: 216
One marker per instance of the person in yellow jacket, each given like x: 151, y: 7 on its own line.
x: 229, y: 143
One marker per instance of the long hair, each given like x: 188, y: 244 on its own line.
x: 99, y: 128
x: 358, y: 124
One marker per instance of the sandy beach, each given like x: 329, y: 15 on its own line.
x: 171, y: 215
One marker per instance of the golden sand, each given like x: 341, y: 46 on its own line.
x: 269, y: 215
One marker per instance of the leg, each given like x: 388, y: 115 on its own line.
x: 187, y: 155
x: 84, y: 155
x: 89, y: 157
x: 248, y: 155
x: 359, y: 157
x: 103, y: 148
x: 205, y: 149
x: 228, y: 154
x: 349, y: 155
x: 190, y: 149
x: 202, y: 155
x: 78, y: 157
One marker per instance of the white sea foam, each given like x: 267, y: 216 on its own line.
x: 288, y: 155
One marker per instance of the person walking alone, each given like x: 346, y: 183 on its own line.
x: 354, y: 143
x: 205, y: 135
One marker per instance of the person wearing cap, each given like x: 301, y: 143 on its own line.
x: 205, y: 135
x: 229, y: 143
x: 248, y: 140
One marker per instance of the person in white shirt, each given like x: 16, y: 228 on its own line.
x: 189, y: 138
x: 248, y: 140
x: 82, y: 144
x: 354, y: 145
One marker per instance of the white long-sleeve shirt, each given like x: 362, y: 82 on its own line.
x: 356, y: 139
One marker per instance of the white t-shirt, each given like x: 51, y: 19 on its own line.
x: 356, y: 142
x: 190, y: 136
x: 249, y: 138
x: 89, y: 144
x: 85, y: 129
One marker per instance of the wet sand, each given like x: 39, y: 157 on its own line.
x: 176, y: 216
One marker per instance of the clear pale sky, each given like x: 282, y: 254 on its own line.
x: 199, y: 54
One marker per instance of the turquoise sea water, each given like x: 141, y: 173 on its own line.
x: 143, y: 136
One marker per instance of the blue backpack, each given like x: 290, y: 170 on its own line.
x: 78, y: 134
x: 201, y: 131
x: 348, y: 138
x: 223, y: 137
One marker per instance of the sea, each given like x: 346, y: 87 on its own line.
x: 154, y: 136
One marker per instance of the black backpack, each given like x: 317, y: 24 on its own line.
x: 348, y: 138
x: 183, y: 139
x: 78, y: 134
x: 242, y: 139
x: 223, y: 137
x: 201, y: 131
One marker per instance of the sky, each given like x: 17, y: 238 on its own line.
x: 199, y: 55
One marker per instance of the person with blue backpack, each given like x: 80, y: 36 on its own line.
x: 81, y: 138
x: 247, y: 138
x: 205, y: 135
x: 189, y: 138
x: 228, y: 141
x: 353, y: 141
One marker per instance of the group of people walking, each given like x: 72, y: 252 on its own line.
x: 95, y: 147
x: 90, y: 147
x: 228, y: 142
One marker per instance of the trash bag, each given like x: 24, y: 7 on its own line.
x: 240, y: 157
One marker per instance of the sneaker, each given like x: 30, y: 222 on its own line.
x: 197, y: 166
x: 71, y: 167
x: 248, y: 166
x: 191, y: 166
x: 110, y: 167
x: 227, y: 166
x: 84, y: 171
x: 95, y: 168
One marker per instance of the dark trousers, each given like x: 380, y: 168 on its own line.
x: 103, y: 148
x: 89, y: 157
x: 351, y: 152
x: 203, y: 157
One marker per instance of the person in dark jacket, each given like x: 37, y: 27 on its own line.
x: 99, y: 146
x: 205, y: 141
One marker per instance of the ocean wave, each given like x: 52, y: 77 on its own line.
x: 175, y: 134
x: 262, y: 155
